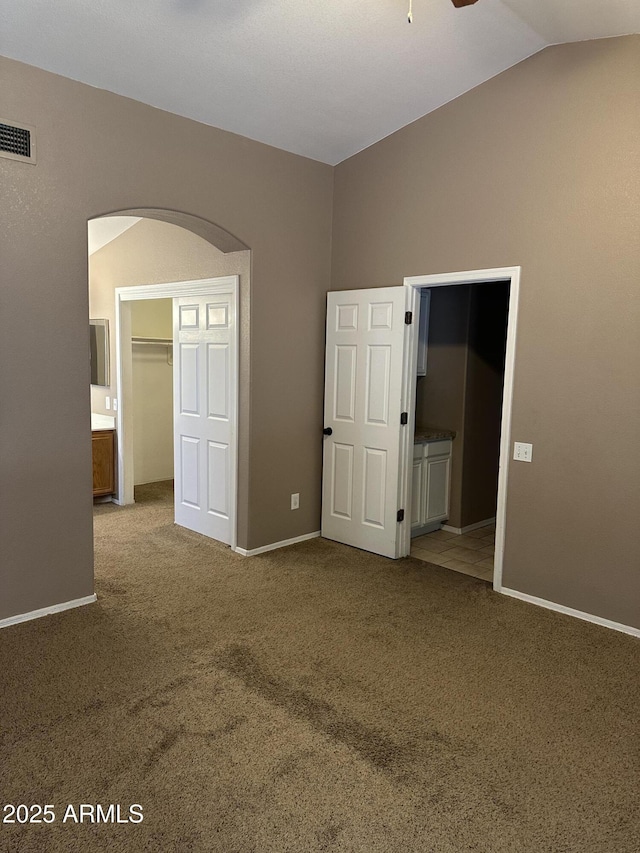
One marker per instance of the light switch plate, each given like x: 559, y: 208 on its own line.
x: 522, y: 452
x: 295, y: 501
x: 107, y: 402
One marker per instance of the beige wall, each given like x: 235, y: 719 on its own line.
x: 100, y: 153
x: 150, y: 318
x: 537, y: 167
x: 152, y: 391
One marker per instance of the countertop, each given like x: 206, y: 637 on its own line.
x: 102, y: 421
x: 425, y: 434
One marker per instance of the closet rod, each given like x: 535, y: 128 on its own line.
x: 154, y: 342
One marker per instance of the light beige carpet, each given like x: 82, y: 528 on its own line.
x: 311, y: 699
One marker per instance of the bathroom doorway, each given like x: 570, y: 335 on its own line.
x: 497, y: 277
x: 458, y: 418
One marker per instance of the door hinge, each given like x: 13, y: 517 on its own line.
x: 408, y: 318
x: 400, y: 515
x: 404, y: 418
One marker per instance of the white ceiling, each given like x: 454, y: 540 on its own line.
x: 322, y: 78
x: 103, y: 231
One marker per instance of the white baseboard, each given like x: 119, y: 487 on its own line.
x: 569, y: 611
x: 469, y: 527
x: 47, y: 611
x: 275, y: 545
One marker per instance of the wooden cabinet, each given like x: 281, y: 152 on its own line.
x: 423, y: 332
x: 103, y: 443
x: 430, y: 486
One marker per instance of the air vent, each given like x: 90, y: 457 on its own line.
x: 17, y: 141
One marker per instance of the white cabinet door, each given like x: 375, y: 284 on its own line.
x: 430, y: 486
x: 423, y: 331
x: 363, y: 388
x: 203, y: 402
x: 437, y: 488
x: 437, y: 469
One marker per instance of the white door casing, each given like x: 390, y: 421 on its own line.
x: 414, y: 284
x: 362, y: 477
x: 222, y: 289
x: 203, y: 404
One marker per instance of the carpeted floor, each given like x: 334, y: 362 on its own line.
x: 311, y: 699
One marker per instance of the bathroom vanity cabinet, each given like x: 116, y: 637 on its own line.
x: 430, y: 484
x: 103, y: 444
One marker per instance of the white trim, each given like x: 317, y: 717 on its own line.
x: 569, y: 611
x: 47, y: 611
x: 462, y: 530
x: 124, y: 420
x: 512, y: 275
x: 409, y: 385
x: 467, y: 277
x: 275, y: 545
x: 195, y: 287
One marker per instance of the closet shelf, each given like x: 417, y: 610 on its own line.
x: 154, y: 342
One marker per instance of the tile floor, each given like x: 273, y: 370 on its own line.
x: 470, y: 553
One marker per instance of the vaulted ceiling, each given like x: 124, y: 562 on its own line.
x: 321, y: 78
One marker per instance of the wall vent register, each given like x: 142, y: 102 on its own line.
x: 17, y: 142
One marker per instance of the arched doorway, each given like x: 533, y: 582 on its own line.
x: 171, y: 254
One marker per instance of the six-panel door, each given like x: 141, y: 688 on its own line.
x: 364, y: 358
x: 203, y: 420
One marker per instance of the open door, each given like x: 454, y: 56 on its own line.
x: 204, y: 401
x: 363, y: 479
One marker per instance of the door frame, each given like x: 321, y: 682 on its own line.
x: 124, y: 369
x: 415, y: 284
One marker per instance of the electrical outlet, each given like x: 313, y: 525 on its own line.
x: 295, y: 501
x: 522, y: 452
x: 115, y: 404
x: 107, y: 402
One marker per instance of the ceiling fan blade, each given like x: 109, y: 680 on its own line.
x: 460, y: 3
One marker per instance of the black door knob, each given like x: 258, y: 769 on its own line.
x: 327, y: 431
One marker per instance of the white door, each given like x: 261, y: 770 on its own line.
x: 362, y: 471
x: 203, y: 389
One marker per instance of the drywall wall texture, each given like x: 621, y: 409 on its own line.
x: 538, y: 167
x: 152, y: 387
x: 484, y: 381
x: 152, y: 399
x: 151, y: 318
x: 440, y: 394
x: 100, y: 153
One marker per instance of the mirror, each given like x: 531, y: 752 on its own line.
x: 99, y: 351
